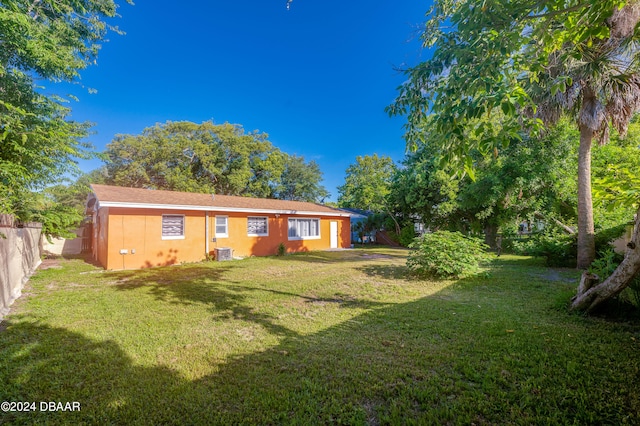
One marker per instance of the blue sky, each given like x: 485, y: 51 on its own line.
x: 316, y: 77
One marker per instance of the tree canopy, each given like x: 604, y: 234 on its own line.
x: 532, y: 176
x: 211, y: 158
x: 501, y: 67
x: 50, y: 41
x: 299, y: 181
x: 367, y: 183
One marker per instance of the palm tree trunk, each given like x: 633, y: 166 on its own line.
x: 586, y: 237
x: 618, y: 281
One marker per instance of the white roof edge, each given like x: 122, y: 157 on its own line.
x: 218, y: 209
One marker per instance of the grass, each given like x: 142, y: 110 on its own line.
x: 324, y: 337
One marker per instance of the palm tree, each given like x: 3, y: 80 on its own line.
x: 519, y: 58
x: 602, y: 81
x: 603, y: 91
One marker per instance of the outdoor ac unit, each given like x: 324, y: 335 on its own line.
x: 224, y: 253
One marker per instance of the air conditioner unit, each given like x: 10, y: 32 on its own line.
x: 224, y: 253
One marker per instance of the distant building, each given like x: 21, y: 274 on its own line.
x: 359, y: 216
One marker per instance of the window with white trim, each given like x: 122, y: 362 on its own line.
x: 172, y: 226
x: 304, y: 229
x: 257, y: 226
x: 222, y: 227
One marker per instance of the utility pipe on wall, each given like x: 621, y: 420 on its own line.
x: 206, y: 233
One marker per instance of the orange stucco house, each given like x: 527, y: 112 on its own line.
x: 137, y: 228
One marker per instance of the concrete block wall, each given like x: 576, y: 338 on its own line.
x: 19, y: 258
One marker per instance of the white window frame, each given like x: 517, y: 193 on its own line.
x: 226, y: 227
x: 308, y: 237
x: 266, y: 220
x: 173, y: 237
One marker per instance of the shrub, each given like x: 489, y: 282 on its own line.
x: 607, y: 261
x: 561, y: 249
x: 634, y: 291
x: 557, y: 248
x: 509, y: 237
x: 407, y: 235
x: 446, y: 254
x: 282, y: 249
x: 605, y: 264
x: 604, y: 237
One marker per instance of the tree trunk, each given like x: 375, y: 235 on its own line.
x: 586, y: 237
x: 395, y: 222
x: 587, y: 281
x: 567, y: 229
x: 589, y: 298
x: 490, y: 234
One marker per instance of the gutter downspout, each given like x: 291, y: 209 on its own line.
x: 206, y: 233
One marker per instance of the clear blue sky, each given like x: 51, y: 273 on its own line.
x: 316, y: 77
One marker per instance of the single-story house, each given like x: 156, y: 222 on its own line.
x: 136, y: 228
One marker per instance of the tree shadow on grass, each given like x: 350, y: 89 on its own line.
x: 347, y: 255
x: 43, y: 363
x: 416, y: 362
x: 456, y: 357
x: 409, y: 367
x: 389, y: 272
x: 200, y: 285
x: 343, y: 300
x: 225, y: 298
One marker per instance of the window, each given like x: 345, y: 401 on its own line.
x: 257, y: 226
x: 172, y: 226
x: 304, y: 229
x: 222, y: 226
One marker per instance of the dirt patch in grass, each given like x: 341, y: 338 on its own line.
x: 49, y: 263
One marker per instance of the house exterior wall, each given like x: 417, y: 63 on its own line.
x: 244, y: 245
x: 139, y: 233
x: 134, y: 239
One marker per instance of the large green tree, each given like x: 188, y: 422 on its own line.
x: 211, y: 158
x: 185, y: 156
x: 531, y: 178
x: 42, y: 41
x: 74, y: 195
x: 367, y: 183
x: 421, y: 188
x: 532, y: 61
x: 608, y: 161
x: 299, y: 181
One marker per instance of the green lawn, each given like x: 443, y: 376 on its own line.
x: 324, y: 337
